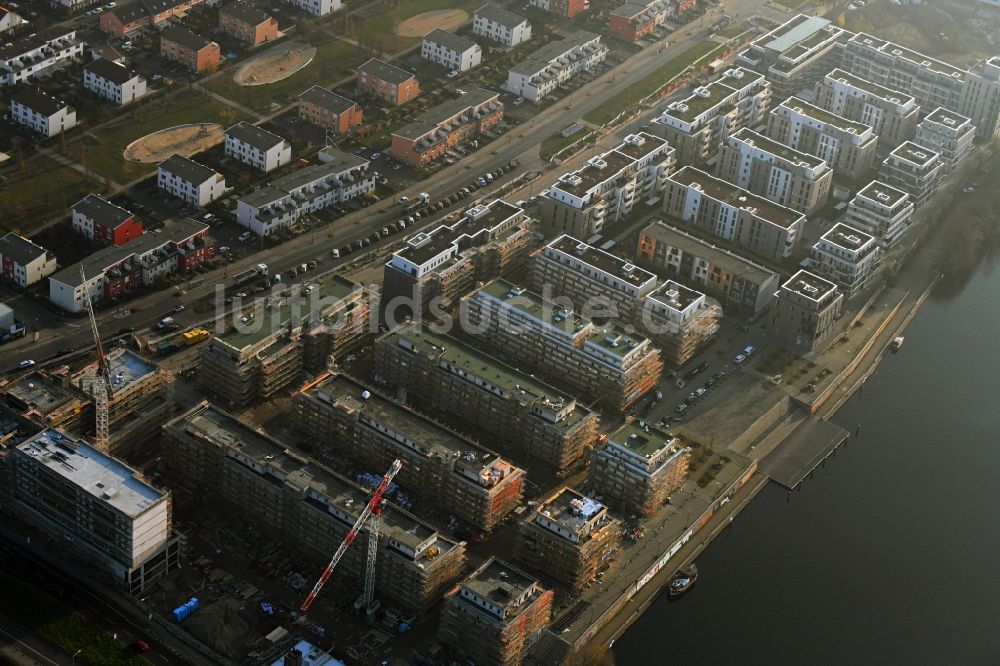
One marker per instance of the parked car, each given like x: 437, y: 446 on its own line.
x: 26, y: 363
x: 335, y: 253
x: 749, y: 350
x: 244, y: 237
x: 740, y: 358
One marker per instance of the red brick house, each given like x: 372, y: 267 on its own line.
x: 436, y: 131
x: 195, y: 52
x: 387, y: 82
x: 247, y: 23
x: 104, y: 223
x: 129, y: 17
x: 326, y: 108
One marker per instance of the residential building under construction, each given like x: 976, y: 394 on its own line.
x: 494, y: 615
x: 601, y: 362
x: 437, y: 267
x: 442, y: 466
x: 447, y: 374
x: 141, y: 400
x: 215, y: 457
x: 569, y: 537
x: 265, y: 347
x: 45, y: 398
x: 680, y: 321
x: 638, y: 467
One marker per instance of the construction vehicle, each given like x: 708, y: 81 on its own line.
x: 250, y: 274
x: 194, y: 336
x: 372, y: 510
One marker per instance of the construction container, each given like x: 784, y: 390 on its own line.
x: 194, y: 336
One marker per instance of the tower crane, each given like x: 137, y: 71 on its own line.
x: 102, y: 394
x: 372, y: 510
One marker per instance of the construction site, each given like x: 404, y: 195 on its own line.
x: 493, y: 615
x: 44, y: 398
x: 680, y: 321
x: 523, y: 414
x: 569, y: 537
x: 440, y: 465
x: 601, y: 363
x: 266, y: 347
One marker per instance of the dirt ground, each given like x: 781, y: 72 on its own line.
x: 183, y: 139
x: 276, y: 64
x: 421, y: 24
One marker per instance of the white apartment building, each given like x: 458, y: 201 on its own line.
x: 341, y: 177
x: 500, y: 25
x: 947, y: 133
x: 847, y: 257
x: 881, y: 211
x: 781, y: 174
x: 732, y: 213
x: 41, y: 113
x: 892, y: 115
x: 97, y: 507
x: 450, y: 50
x: 317, y: 7
x: 607, y: 187
x: 846, y: 145
x: 695, y: 126
x: 113, y: 82
x: 257, y: 147
x: 24, y: 262
x: 913, y: 169
x: 186, y: 179
x: 34, y: 55
x: 554, y: 64
x: 796, y: 53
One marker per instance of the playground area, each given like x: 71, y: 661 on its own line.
x: 421, y: 24
x: 184, y: 140
x: 274, y: 64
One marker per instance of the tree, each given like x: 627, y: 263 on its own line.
x: 228, y: 116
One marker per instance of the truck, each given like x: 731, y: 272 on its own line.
x: 12, y: 332
x: 194, y: 336
x: 165, y: 348
x: 250, y: 274
x: 425, y: 198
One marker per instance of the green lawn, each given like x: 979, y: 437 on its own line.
x: 791, y: 4
x: 650, y: 84
x: 64, y: 628
x: 557, y: 142
x: 733, y: 31
x: 102, y: 152
x: 380, y: 29
x: 43, y: 190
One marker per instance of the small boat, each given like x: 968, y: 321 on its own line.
x: 683, y: 580
x: 897, y: 342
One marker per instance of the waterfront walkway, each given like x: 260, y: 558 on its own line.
x: 803, y: 451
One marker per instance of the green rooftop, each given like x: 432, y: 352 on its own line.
x: 266, y: 320
x: 643, y: 441
x: 531, y: 304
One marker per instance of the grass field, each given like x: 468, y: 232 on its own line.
x: 43, y: 190
x: 64, y: 628
x: 791, y: 4
x: 380, y: 29
x: 553, y: 144
x: 650, y: 84
x: 103, y: 152
x: 333, y: 62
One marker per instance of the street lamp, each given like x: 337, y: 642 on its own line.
x: 74, y: 655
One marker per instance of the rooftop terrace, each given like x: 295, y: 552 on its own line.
x: 603, y: 261
x: 882, y: 193
x: 533, y: 305
x: 643, y: 440
x: 917, y: 59
x: 874, y: 89
x: 674, y: 295
x: 809, y: 285
x: 597, y: 170
x: 569, y: 509
x: 476, y: 227
x: 847, y: 237
x: 915, y: 154
x: 946, y: 117
x: 732, y: 195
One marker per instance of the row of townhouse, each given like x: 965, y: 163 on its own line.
x: 339, y: 177
x: 113, y: 82
x: 177, y: 248
x: 190, y: 181
x: 635, y: 19
x: 436, y: 131
x: 607, y: 187
x: 386, y: 82
x: 555, y: 63
x: 500, y: 25
x: 33, y: 56
x: 130, y: 17
x: 103, y: 223
x: 317, y: 7
x: 193, y: 51
x: 41, y: 113
x: 247, y: 23
x: 329, y: 110
x: 449, y: 50
x: 561, y: 8
x: 256, y: 147
x: 24, y: 262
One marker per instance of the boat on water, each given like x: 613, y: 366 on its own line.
x: 683, y: 580
x: 897, y: 342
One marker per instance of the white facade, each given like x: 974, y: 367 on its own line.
x: 257, y: 147
x: 38, y: 113
x: 881, y: 211
x: 312, y: 188
x: 32, y: 56
x: 847, y: 257
x: 948, y: 134
x: 554, y: 64
x: 450, y: 50
x: 501, y: 26
x: 23, y: 261
x: 317, y: 7
x: 186, y: 179
x: 118, y: 90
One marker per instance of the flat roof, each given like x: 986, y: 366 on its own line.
x: 947, y: 117
x: 732, y: 195
x: 915, y: 154
x: 222, y: 429
x: 532, y: 304
x: 569, y: 509
x: 597, y: 170
x: 639, y: 145
x: 125, y: 367
x: 847, y: 237
x: 644, y: 440
x: 880, y: 91
x: 701, y: 99
x: 93, y: 472
x: 882, y: 193
x: 474, y: 228
x: 918, y: 59
x: 602, y: 260
x: 38, y: 392
x: 792, y: 32
x: 499, y: 582
x: 822, y: 115
x: 809, y: 285
x: 615, y: 339
x: 717, y: 256
x: 269, y: 320
x: 779, y: 150
x: 674, y: 295
x: 511, y: 381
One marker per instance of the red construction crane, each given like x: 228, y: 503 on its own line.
x: 373, y: 506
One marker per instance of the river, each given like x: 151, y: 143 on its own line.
x: 891, y: 552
